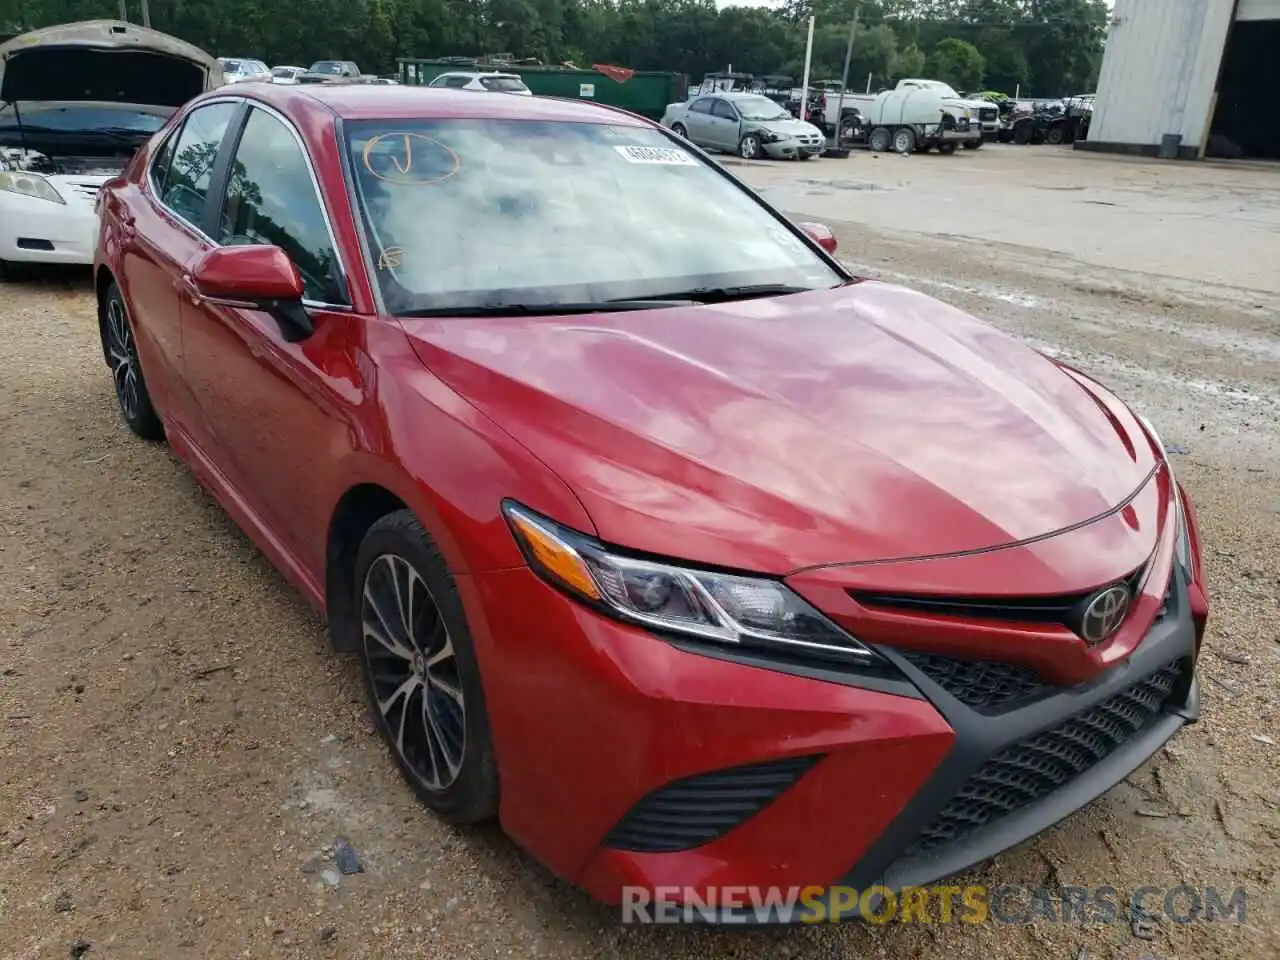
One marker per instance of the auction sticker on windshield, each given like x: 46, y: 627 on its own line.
x: 669, y: 156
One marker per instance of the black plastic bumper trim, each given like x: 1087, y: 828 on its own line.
x: 978, y: 738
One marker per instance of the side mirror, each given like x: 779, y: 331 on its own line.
x: 262, y: 277
x: 820, y: 234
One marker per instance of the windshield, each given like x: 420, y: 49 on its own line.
x: 942, y: 89
x: 105, y: 119
x: 284, y: 71
x: 760, y: 108
x: 462, y: 213
x: 502, y: 84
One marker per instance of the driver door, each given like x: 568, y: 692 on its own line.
x: 725, y: 124
x: 279, y: 410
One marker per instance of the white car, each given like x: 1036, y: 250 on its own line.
x: 241, y: 69
x: 287, y: 75
x: 77, y: 102
x: 492, y: 82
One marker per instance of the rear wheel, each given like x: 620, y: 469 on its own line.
x: 421, y: 671
x: 974, y: 144
x: 904, y: 140
x: 946, y: 149
x: 1055, y: 135
x: 680, y: 130
x: 121, y: 350
x: 881, y: 139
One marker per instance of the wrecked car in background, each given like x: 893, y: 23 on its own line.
x: 76, y: 102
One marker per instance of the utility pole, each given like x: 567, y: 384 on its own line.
x: 804, y: 84
x: 146, y: 14
x: 844, y: 77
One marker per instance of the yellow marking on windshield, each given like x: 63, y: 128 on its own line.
x: 397, y: 166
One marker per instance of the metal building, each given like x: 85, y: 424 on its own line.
x: 1189, y: 77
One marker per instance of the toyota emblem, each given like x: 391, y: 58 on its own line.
x: 1104, y: 613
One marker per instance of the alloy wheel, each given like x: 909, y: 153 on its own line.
x: 413, y: 671
x: 124, y: 359
x: 749, y: 147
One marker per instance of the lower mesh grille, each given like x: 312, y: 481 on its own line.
x: 688, y: 813
x: 1032, y: 769
x: 983, y: 685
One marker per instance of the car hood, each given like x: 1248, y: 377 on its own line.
x: 862, y: 423
x: 786, y: 128
x: 105, y: 60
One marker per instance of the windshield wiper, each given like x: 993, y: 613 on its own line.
x: 746, y: 292
x: 548, y: 309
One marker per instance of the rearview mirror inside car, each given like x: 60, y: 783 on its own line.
x: 260, y: 276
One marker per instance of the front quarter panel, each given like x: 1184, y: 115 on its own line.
x: 452, y: 464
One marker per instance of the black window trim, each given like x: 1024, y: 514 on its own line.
x: 218, y: 186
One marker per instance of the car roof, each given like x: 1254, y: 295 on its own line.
x: 477, y: 73
x: 400, y: 102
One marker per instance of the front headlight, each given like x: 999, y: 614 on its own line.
x: 698, y: 604
x: 29, y: 185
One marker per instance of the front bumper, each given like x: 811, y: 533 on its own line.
x: 795, y: 147
x: 40, y: 231
x: 627, y: 761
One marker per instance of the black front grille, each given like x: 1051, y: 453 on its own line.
x: 1033, y: 768
x: 696, y: 810
x: 986, y: 686
x: 1061, y: 609
x: 988, y: 113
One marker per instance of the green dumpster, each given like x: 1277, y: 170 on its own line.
x: 646, y: 92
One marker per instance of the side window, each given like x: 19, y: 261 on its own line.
x: 457, y: 83
x: 272, y: 200
x: 701, y: 106
x: 162, y: 160
x: 724, y: 110
x: 190, y: 167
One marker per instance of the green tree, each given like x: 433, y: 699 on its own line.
x: 958, y: 63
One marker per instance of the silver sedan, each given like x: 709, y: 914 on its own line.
x: 747, y: 124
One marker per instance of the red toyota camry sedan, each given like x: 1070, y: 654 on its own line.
x: 691, y: 557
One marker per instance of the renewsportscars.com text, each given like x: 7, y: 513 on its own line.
x: 1007, y: 904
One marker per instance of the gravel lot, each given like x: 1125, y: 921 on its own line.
x: 179, y: 750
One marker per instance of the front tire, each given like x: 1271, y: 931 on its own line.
x: 946, y: 149
x: 121, y: 350
x: 881, y: 140
x: 749, y: 147
x: 421, y: 671
x: 904, y: 140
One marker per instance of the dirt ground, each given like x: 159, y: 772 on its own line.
x: 179, y: 751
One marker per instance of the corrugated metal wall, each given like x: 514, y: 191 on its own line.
x: 1160, y: 70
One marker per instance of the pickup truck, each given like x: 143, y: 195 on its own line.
x: 982, y: 115
x: 334, y: 71
x: 911, y: 119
